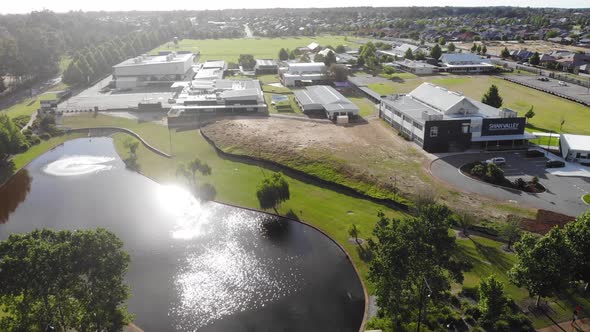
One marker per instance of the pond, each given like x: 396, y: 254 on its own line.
x: 205, y: 267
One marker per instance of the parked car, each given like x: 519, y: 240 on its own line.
x: 532, y: 153
x: 543, y: 79
x: 562, y: 83
x: 554, y: 164
x: 496, y: 160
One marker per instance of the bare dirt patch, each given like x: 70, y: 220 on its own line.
x: 370, y: 157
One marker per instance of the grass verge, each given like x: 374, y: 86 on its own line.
x: 586, y: 198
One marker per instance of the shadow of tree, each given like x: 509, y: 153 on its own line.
x: 131, y: 164
x: 7, y: 169
x: 493, y: 255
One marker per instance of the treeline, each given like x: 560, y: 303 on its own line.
x: 31, y: 45
x: 93, y: 62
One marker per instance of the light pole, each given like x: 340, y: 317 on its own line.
x: 422, y: 302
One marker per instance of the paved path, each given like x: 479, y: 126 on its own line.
x: 563, y: 194
x: 583, y: 325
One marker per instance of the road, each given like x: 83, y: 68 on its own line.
x: 248, y: 31
x: 563, y: 194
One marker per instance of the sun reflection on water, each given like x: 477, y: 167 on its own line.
x: 225, y: 270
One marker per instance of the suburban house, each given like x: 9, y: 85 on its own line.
x: 324, y: 98
x: 440, y: 120
x: 465, y: 63
x: 301, y: 74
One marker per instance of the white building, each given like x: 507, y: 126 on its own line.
x: 465, y: 63
x: 575, y: 148
x: 300, y: 74
x: 147, y: 70
x: 440, y: 120
x: 416, y: 67
x: 323, y: 98
x: 266, y: 66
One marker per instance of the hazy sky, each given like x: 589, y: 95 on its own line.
x: 24, y: 6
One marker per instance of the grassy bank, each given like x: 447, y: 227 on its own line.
x: 28, y: 106
x: 260, y: 48
x: 22, y: 159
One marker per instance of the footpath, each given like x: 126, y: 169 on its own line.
x: 581, y: 325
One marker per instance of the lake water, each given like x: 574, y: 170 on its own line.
x: 205, y: 267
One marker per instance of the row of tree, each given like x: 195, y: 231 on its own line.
x: 93, y: 62
x: 11, y: 139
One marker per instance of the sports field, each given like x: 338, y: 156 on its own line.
x: 549, y: 110
x: 261, y: 48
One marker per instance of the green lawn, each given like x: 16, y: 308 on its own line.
x: 261, y: 48
x: 295, y: 110
x: 27, y: 106
x: 549, y: 109
x: 236, y: 182
x: 366, y: 106
x: 586, y: 198
x: 398, y: 76
x: 22, y: 159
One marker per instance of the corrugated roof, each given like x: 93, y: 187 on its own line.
x: 441, y: 98
x: 577, y: 142
x: 462, y: 58
x: 326, y: 96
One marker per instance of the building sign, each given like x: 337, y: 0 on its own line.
x: 502, y: 126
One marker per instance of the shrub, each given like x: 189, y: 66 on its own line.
x: 535, y: 180
x: 494, y: 174
x: 33, y: 140
x: 520, y: 183
x: 502, y: 326
x: 388, y: 70
x: 470, y: 292
x: 45, y: 136
x: 478, y: 170
x: 472, y: 311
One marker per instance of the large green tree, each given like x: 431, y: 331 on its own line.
x: 273, y: 191
x: 492, y: 301
x: 409, y: 55
x: 283, y: 54
x: 505, y: 53
x: 543, y: 265
x: 535, y: 59
x: 330, y: 59
x: 72, y: 280
x: 492, y: 97
x: 11, y: 139
x: 436, y: 52
x: 578, y: 237
x: 407, y: 254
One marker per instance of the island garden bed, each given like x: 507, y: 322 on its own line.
x: 493, y: 174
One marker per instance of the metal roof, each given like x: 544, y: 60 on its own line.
x: 463, y: 59
x: 577, y: 142
x: 326, y: 96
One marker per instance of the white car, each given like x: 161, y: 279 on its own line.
x: 562, y: 83
x: 496, y: 160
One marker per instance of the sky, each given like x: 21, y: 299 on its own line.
x: 25, y: 6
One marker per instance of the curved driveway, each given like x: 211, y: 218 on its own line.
x: 562, y: 195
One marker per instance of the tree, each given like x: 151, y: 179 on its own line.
x: 189, y: 172
x: 543, y: 266
x: 465, y: 220
x: 420, y: 55
x: 535, y: 59
x: 273, y: 191
x: 304, y: 58
x: 578, y: 237
x: 71, y: 279
x: 474, y: 48
x: 247, y: 61
x: 492, y: 301
x: 442, y: 41
x: 436, y: 52
x: 492, y: 97
x: 505, y: 53
x: 338, y: 73
x: 283, y: 54
x: 409, y: 55
x: 451, y: 48
x: 405, y: 253
x: 510, y: 230
x: 388, y: 70
x: 131, y: 145
x: 478, y: 49
x: 340, y: 49
x: 484, y: 49
x: 318, y: 58
x: 530, y: 113
x: 11, y: 139
x: 354, y: 232
x: 330, y: 59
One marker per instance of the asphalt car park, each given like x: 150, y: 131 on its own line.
x: 563, y: 194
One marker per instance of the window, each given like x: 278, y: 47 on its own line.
x: 417, y: 125
x: 465, y: 128
x: 433, y: 131
x: 397, y: 113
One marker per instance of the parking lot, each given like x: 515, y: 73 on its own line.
x: 567, y: 90
x: 562, y: 195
